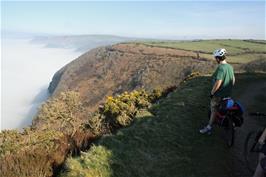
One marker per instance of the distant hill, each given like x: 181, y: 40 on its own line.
x: 80, y: 43
x: 114, y: 69
x: 238, y: 51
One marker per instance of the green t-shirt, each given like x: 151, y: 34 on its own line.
x: 225, y: 73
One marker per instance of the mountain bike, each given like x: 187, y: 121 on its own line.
x: 229, y: 116
x: 252, y: 147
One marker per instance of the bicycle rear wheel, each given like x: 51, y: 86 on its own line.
x: 250, y: 155
x: 230, y: 133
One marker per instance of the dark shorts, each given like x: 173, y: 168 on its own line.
x: 215, y: 102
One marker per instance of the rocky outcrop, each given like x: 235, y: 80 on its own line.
x: 55, y: 80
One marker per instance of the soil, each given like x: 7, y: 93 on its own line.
x: 247, y: 100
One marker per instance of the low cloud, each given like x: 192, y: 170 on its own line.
x: 27, y: 70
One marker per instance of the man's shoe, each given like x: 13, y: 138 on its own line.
x: 206, y: 130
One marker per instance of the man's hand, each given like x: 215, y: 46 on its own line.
x: 216, y: 86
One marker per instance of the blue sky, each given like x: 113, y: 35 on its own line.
x: 193, y: 19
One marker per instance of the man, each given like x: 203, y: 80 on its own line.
x: 223, y: 80
x: 259, y: 170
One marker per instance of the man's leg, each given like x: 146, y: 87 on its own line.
x: 259, y: 171
x: 215, y: 102
x: 212, y: 117
x: 213, y: 105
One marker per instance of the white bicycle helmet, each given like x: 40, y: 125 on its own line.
x: 219, y: 53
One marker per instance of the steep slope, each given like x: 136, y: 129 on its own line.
x: 125, y: 67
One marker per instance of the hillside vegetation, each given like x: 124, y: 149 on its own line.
x: 57, y: 131
x: 165, y: 141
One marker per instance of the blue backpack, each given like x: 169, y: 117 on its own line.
x: 232, y: 109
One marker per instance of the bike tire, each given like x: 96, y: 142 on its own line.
x: 250, y: 156
x: 230, y: 133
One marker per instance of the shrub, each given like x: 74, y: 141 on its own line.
x: 60, y: 113
x: 97, y: 124
x: 37, y: 150
x: 121, y: 110
x: 191, y: 76
x: 155, y: 94
x: 31, y: 153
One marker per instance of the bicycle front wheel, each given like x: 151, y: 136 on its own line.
x: 250, y: 155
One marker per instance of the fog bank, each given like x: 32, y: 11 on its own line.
x: 27, y: 70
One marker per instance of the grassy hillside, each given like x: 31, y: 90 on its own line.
x: 165, y: 143
x: 239, y: 51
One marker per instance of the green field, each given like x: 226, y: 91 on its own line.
x: 239, y: 51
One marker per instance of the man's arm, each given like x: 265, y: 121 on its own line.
x: 234, y: 80
x: 216, y: 86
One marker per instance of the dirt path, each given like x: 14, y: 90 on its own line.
x: 246, y: 99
